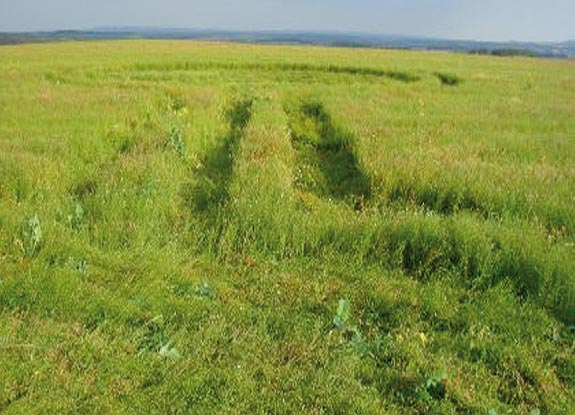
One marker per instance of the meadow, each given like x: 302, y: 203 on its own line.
x: 203, y: 227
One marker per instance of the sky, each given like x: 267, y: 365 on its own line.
x: 544, y: 20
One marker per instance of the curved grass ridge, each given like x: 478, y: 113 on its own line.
x: 280, y: 66
x: 446, y: 197
x: 472, y: 253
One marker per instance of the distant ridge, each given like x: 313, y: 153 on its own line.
x: 536, y: 49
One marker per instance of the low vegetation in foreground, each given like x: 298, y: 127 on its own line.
x: 209, y: 228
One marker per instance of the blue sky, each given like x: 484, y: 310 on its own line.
x: 463, y: 19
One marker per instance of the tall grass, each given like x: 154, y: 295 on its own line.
x: 183, y: 230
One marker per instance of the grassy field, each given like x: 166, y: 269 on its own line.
x: 207, y: 228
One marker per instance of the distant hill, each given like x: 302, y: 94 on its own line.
x: 534, y: 49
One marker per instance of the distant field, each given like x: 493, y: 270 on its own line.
x: 191, y: 227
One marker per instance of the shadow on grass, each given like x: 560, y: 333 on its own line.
x: 212, y: 189
x: 326, y: 160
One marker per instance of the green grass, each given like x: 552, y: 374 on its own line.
x: 192, y: 227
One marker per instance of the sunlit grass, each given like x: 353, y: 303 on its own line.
x: 193, y: 227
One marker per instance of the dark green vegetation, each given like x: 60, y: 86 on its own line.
x: 183, y: 230
x: 448, y: 79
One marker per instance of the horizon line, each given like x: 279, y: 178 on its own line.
x: 136, y: 28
